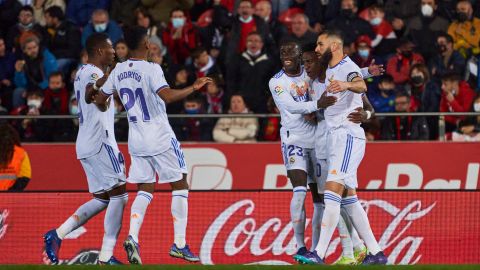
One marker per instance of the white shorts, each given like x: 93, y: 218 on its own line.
x: 169, y: 166
x: 105, y: 170
x: 321, y: 172
x: 299, y: 158
x: 345, y: 153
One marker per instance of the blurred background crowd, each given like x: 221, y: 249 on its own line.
x: 429, y: 48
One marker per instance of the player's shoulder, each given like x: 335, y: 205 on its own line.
x: 90, y: 72
x: 349, y: 63
x: 278, y: 75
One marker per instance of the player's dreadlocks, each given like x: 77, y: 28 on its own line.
x: 8, y: 139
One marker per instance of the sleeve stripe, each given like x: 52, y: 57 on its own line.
x: 162, y: 87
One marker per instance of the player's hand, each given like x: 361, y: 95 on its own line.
x: 358, y: 116
x: 326, y: 101
x: 100, y: 82
x: 200, y: 82
x: 311, y: 117
x: 337, y: 87
x: 375, y: 70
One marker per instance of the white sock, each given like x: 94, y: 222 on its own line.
x: 82, y: 215
x: 297, y: 214
x: 137, y: 213
x: 318, y: 209
x: 180, y: 216
x: 112, y: 224
x: 357, y: 242
x: 344, y: 232
x: 331, y: 215
x: 360, y: 221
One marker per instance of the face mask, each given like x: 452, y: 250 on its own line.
x: 74, y: 109
x: 364, y: 53
x: 178, y: 22
x: 417, y: 80
x: 375, y: 21
x: 27, y: 26
x: 407, y: 54
x: 192, y: 111
x: 476, y: 107
x: 386, y: 92
x: 427, y: 10
x: 100, y: 27
x: 347, y: 13
x: 462, y: 16
x: 247, y: 20
x: 36, y: 103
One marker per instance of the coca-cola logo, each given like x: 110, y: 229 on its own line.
x: 236, y: 232
x: 89, y: 256
x: 3, y: 222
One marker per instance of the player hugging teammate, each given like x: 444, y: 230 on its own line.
x: 322, y: 105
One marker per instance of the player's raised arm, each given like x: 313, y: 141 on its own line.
x: 171, y: 95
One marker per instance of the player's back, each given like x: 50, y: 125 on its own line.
x: 95, y: 127
x: 137, y: 83
x: 347, y: 101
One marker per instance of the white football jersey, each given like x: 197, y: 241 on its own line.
x: 291, y: 95
x: 347, y: 101
x: 137, y: 83
x: 321, y: 130
x: 95, y: 127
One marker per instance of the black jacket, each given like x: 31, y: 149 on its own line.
x: 423, y: 32
x: 9, y: 10
x: 405, y: 128
x: 249, y: 76
x: 351, y: 28
x: 66, y: 41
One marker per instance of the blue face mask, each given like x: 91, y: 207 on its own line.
x: 99, y: 28
x: 192, y: 111
x: 364, y: 53
x: 375, y: 21
x: 178, y: 22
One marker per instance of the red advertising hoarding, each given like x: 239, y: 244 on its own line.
x: 423, y: 227
x: 429, y: 165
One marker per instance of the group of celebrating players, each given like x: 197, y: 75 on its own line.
x: 321, y: 106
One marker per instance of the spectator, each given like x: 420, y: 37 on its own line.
x: 56, y: 96
x: 9, y: 10
x: 178, y: 79
x: 195, y: 129
x: 350, y: 24
x: 203, y: 64
x: 121, y: 11
x: 364, y: 52
x: 121, y: 51
x: 263, y: 9
x: 26, y: 26
x: 384, y: 100
x: 404, y: 127
x: 385, y: 36
x: 424, y: 29
x: 15, y: 169
x: 160, y: 10
x: 448, y: 60
x: 101, y: 23
x: 214, y: 95
x: 213, y: 36
x: 465, y: 30
x: 63, y: 39
x: 7, y: 64
x: 229, y: 130
x: 250, y: 72
x: 180, y: 37
x: 158, y: 52
x: 35, y: 130
x: 467, y: 131
x: 80, y: 12
x: 41, y: 6
x: 457, y: 96
x: 271, y: 130
x: 398, y: 66
x: 33, y: 72
x: 399, y: 12
x: 424, y: 93
x: 66, y: 130
x: 245, y: 23
x: 301, y: 33
x: 143, y: 19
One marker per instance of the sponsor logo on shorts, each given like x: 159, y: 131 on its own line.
x: 334, y: 172
x: 292, y: 160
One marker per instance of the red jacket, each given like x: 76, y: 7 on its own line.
x: 399, y: 67
x: 56, y: 102
x: 180, y: 48
x: 462, y: 102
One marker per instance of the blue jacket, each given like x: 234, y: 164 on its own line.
x: 49, y: 66
x: 113, y: 31
x: 80, y: 11
x: 382, y: 104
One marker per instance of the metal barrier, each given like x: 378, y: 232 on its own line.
x: 440, y: 115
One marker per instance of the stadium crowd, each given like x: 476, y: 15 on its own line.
x: 429, y: 48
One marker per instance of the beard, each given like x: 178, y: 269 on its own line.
x: 325, y: 58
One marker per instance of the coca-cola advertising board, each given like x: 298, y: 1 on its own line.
x: 391, y: 166
x: 422, y: 227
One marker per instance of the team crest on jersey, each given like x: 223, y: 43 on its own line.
x: 278, y: 90
x: 94, y: 76
x: 299, y: 91
x: 292, y: 160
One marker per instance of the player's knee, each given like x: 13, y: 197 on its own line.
x: 101, y: 195
x: 335, y: 187
x: 146, y: 187
x: 297, y: 178
x: 180, y: 184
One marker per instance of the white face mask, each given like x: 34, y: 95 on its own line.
x: 476, y: 107
x: 74, y: 110
x: 100, y: 27
x: 427, y: 10
x: 36, y: 103
x: 375, y: 21
x: 247, y: 20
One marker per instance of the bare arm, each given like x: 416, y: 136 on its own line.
x: 102, y: 101
x: 367, y: 106
x: 358, y: 86
x: 169, y: 95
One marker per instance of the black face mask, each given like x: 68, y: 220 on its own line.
x: 462, y: 16
x: 347, y: 13
x: 417, y: 80
x: 386, y: 92
x: 407, y: 54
